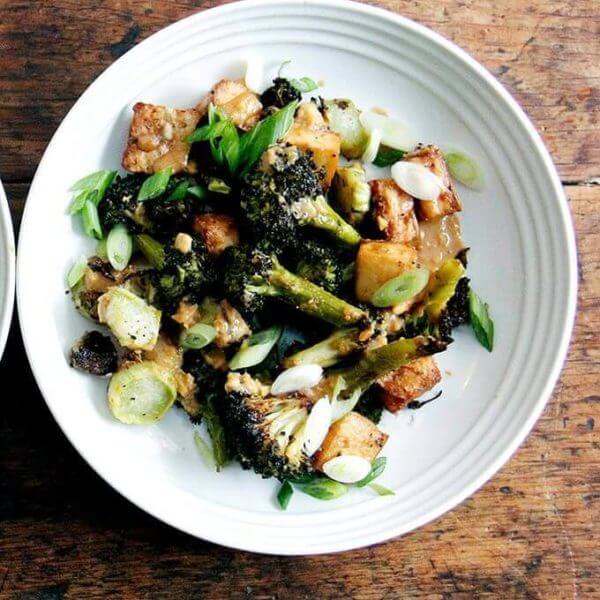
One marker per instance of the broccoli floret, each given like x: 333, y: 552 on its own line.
x: 180, y: 275
x: 251, y: 276
x: 322, y: 265
x: 280, y: 94
x: 161, y: 215
x: 171, y: 211
x: 267, y: 431
x: 282, y: 194
x: 120, y: 203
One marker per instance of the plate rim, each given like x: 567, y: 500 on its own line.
x: 9, y: 264
x: 568, y: 234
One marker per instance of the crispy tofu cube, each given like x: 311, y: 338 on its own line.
x: 157, y: 138
x: 236, y: 101
x: 448, y: 201
x: 393, y: 211
x: 378, y: 262
x: 311, y: 133
x: 218, y: 231
x: 409, y: 382
x: 353, y: 435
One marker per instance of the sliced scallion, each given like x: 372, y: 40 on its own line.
x: 155, y: 185
x: 179, y: 192
x: 255, y: 349
x: 77, y: 271
x: 198, y: 336
x: 284, y: 495
x: 464, y: 169
x: 381, y: 490
x: 91, y: 221
x: 324, y: 489
x: 401, y: 288
x: 119, y: 247
x: 205, y: 451
x: 197, y: 191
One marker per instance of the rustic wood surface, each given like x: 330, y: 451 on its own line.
x: 531, y: 532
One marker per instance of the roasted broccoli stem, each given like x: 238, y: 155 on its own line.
x: 446, y: 307
x: 322, y: 265
x: 329, y: 351
x: 283, y: 194
x: 268, y: 431
x: 178, y: 275
x: 280, y: 94
x: 252, y: 275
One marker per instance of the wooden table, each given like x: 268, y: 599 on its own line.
x: 529, y: 533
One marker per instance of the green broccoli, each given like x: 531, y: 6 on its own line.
x: 267, y: 432
x: 178, y: 275
x: 283, y: 194
x: 251, y: 276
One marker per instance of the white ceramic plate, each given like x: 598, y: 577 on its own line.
x: 523, y: 262
x: 7, y: 269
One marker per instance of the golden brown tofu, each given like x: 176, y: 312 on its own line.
x: 353, y: 435
x: 393, y: 211
x: 157, y: 138
x: 377, y: 262
x: 236, y: 101
x: 311, y: 133
x: 217, y: 231
x: 448, y: 201
x: 409, y: 382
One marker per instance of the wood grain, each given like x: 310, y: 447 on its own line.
x: 531, y: 532
x: 546, y: 52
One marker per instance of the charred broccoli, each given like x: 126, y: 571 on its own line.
x: 94, y: 353
x: 322, y: 265
x: 280, y: 94
x: 161, y: 215
x: 446, y: 307
x: 178, y: 274
x: 283, y: 193
x: 268, y: 431
x: 120, y: 204
x: 252, y: 275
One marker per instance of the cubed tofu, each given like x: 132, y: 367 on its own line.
x: 448, y: 201
x: 218, y: 231
x: 353, y: 435
x: 377, y: 262
x: 236, y: 101
x: 393, y: 211
x: 157, y: 138
x: 409, y: 382
x: 311, y: 133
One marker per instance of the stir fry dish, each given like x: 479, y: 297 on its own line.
x: 283, y: 269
